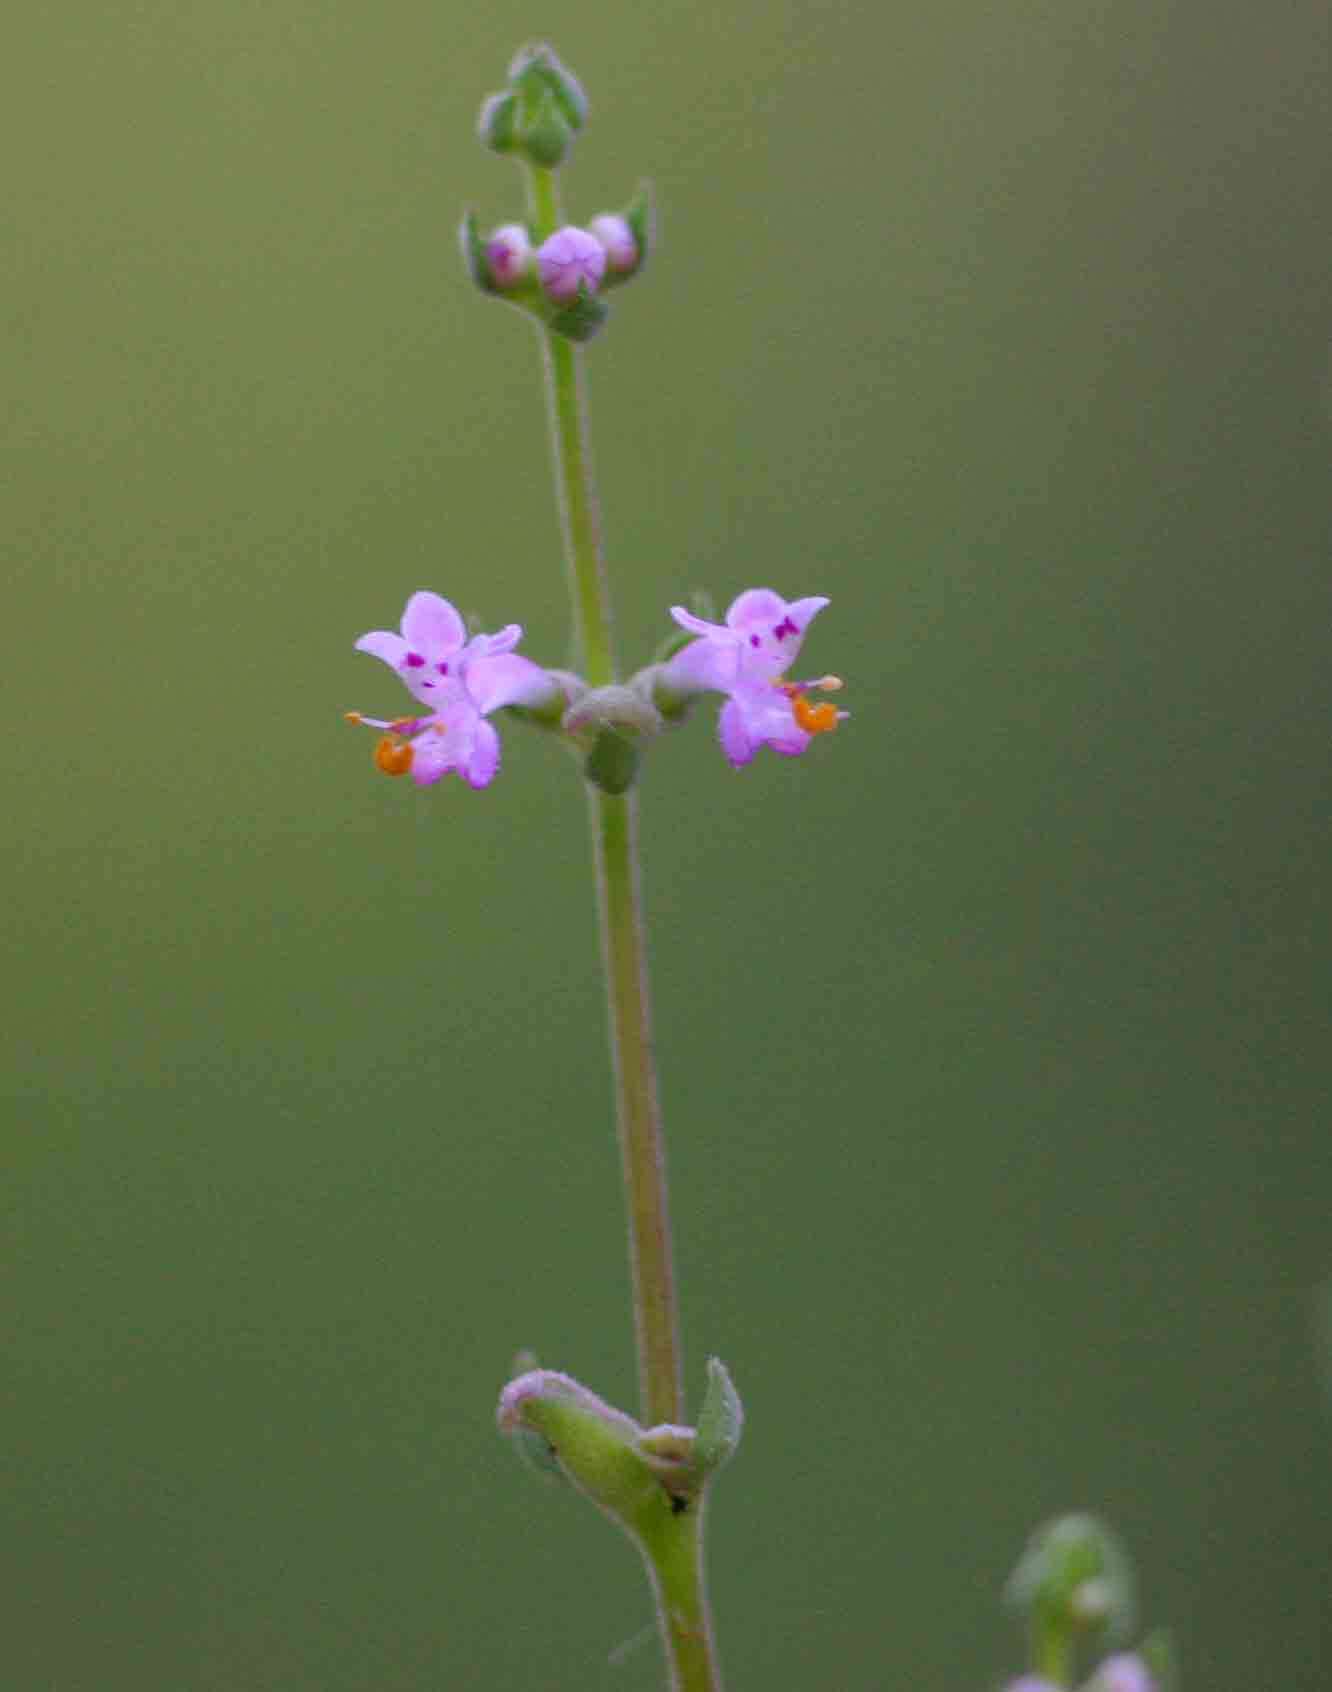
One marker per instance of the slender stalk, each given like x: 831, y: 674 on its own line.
x: 624, y: 954
x: 580, y: 517
x: 619, y: 897
x: 575, y: 485
x: 675, y: 1564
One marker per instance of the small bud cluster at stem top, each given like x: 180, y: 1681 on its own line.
x: 556, y: 274
x: 459, y: 681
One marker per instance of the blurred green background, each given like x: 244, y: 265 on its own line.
x: 994, y: 1035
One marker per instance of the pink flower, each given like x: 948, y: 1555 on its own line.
x: 460, y: 681
x: 568, y: 260
x: 745, y: 659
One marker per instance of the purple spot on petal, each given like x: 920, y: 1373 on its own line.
x: 443, y: 669
x: 414, y: 661
x: 784, y: 628
x: 754, y: 640
x: 425, y: 683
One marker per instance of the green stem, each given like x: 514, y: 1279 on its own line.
x: 575, y: 485
x: 675, y: 1568
x: 675, y: 1564
x: 624, y: 954
x: 1052, y: 1653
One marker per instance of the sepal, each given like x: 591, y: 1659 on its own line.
x: 594, y: 1445
x: 612, y: 762
x: 497, y: 122
x: 721, y: 1421
x: 583, y: 317
x: 474, y: 254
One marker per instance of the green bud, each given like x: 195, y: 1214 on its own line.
x: 546, y: 135
x: 1074, y: 1578
x: 536, y: 69
x: 496, y: 125
x: 721, y: 1420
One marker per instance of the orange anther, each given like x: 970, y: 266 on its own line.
x: 394, y: 757
x: 352, y: 717
x: 814, y: 719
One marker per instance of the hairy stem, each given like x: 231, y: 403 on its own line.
x: 676, y: 1564
x: 623, y: 950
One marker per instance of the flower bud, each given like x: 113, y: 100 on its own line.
x: 568, y: 261
x: 536, y: 70
x: 509, y: 255
x: 617, y: 238
x: 1074, y: 1578
x: 546, y: 135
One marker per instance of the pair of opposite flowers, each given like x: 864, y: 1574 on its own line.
x: 462, y: 679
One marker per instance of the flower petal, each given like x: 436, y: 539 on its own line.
x: 705, y: 663
x: 802, y: 612
x: 379, y: 643
x: 734, y: 735
x: 488, y: 646
x: 756, y: 605
x: 698, y: 625
x: 480, y: 768
x: 507, y: 680
x: 431, y: 625
x: 770, y: 718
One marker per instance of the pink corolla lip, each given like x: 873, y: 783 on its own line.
x: 745, y: 658
x: 460, y: 681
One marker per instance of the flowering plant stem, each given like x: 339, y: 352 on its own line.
x: 675, y: 1564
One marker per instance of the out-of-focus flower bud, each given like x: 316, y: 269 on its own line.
x: 540, y: 111
x: 627, y: 236
x: 568, y: 261
x: 537, y: 69
x: 617, y: 238
x: 1074, y: 1578
x: 509, y: 255
x: 1123, y: 1673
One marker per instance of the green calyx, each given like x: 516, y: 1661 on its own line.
x: 644, y: 1478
